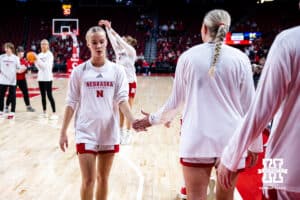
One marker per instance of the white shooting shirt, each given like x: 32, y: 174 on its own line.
x: 212, y: 106
x: 95, y: 92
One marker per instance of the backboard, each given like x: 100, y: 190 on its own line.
x: 65, y: 25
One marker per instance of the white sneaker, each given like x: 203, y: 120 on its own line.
x: 53, y: 117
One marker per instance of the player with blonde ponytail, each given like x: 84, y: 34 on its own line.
x: 217, y: 24
x: 213, y: 82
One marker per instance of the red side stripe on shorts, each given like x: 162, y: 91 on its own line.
x: 80, y: 148
x: 115, y: 150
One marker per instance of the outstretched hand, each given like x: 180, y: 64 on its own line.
x: 142, y: 124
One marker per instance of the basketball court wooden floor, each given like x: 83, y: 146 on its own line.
x: 32, y: 167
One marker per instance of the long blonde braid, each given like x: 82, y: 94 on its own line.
x: 217, y: 22
x: 218, y: 45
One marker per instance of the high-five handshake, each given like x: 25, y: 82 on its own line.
x: 143, y: 123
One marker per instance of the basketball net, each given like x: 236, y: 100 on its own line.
x: 64, y: 35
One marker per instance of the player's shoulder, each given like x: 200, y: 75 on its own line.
x: 234, y: 52
x: 288, y: 37
x: 197, y: 49
x: 81, y: 67
x: 3, y: 55
x: 15, y: 57
x: 290, y: 32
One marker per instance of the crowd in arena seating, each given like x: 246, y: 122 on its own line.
x: 173, y: 34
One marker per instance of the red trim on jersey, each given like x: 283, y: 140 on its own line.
x: 132, y: 89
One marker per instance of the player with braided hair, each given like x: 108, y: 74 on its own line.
x: 216, y: 89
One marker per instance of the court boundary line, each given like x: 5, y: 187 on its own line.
x: 139, y: 194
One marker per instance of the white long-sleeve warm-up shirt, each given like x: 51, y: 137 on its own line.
x: 96, y: 93
x: 9, y: 64
x: 125, y: 54
x: 44, y: 63
x: 213, y: 106
x: 278, y: 94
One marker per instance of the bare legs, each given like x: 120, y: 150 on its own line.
x: 91, y: 172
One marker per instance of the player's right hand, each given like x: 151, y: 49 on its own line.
x: 63, y: 142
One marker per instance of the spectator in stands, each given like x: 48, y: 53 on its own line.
x: 164, y: 29
x: 59, y: 64
x: 224, y: 75
x: 33, y: 46
x: 21, y: 82
x: 152, y: 66
x: 257, y: 69
x: 146, y: 67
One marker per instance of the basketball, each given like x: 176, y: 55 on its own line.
x: 31, y: 56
